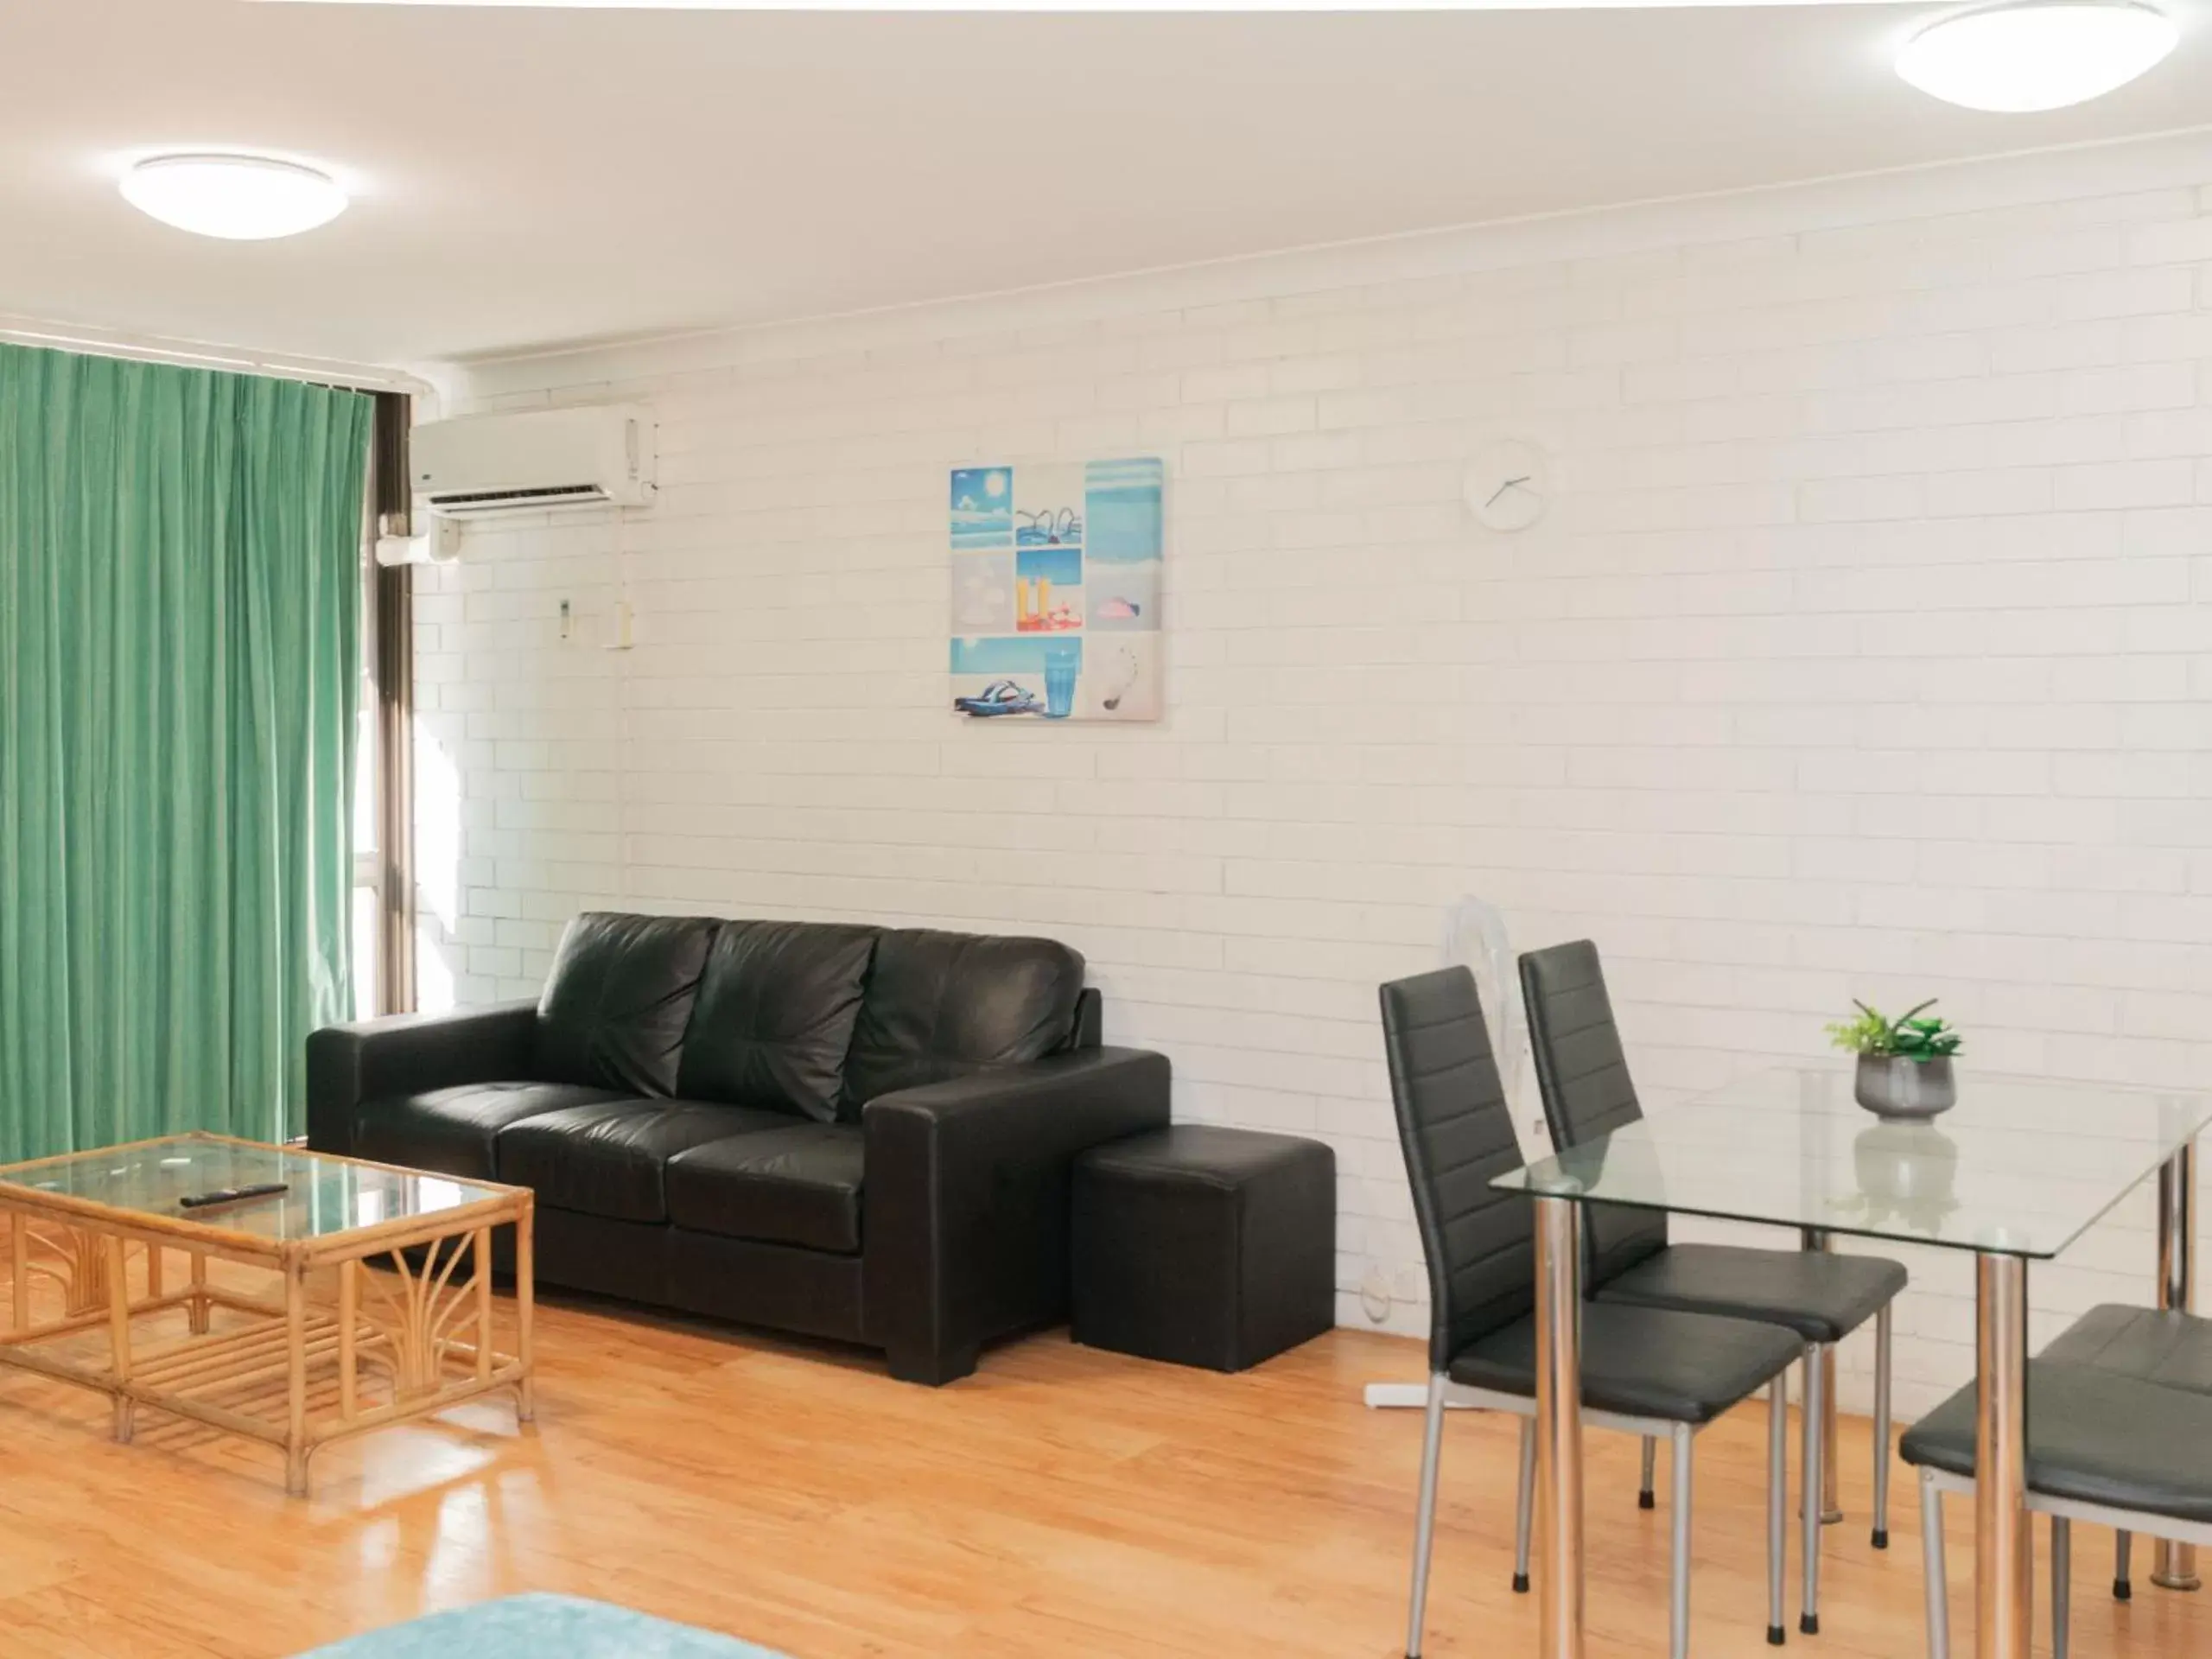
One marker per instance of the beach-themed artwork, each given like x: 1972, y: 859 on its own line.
x: 982, y: 507
x: 1124, y: 598
x: 1048, y: 507
x: 982, y: 593
x: 1048, y: 589
x: 1056, y: 590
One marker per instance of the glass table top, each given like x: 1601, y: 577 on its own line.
x: 2021, y: 1166
x: 322, y: 1196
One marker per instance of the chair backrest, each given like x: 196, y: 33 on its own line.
x: 1458, y: 1133
x: 1583, y: 1076
x: 1475, y: 936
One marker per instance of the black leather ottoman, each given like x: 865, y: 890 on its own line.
x: 1204, y: 1246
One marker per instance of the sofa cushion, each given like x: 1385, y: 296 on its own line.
x: 774, y: 1016
x: 943, y: 1005
x: 615, y: 1006
x: 795, y: 1185
x: 453, y: 1131
x: 611, y: 1160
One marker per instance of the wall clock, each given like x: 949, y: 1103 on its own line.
x: 1508, y: 486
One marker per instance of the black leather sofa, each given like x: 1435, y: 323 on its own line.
x: 855, y: 1133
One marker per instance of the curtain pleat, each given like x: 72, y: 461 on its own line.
x: 180, y: 639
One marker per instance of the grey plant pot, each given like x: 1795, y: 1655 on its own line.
x: 1895, y: 1088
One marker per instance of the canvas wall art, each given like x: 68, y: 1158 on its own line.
x: 1056, y: 587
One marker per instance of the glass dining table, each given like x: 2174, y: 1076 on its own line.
x: 2016, y: 1172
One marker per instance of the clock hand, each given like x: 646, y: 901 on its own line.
x: 1507, y: 484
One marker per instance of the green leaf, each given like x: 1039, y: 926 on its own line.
x: 1910, y: 1035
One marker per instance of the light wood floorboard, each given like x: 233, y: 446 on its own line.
x: 1061, y: 1502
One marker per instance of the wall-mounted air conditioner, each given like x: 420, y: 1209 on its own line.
x: 532, y: 461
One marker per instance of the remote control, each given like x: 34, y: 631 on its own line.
x: 233, y: 1194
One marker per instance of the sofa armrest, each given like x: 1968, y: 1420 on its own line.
x: 405, y: 1054
x: 966, y: 1225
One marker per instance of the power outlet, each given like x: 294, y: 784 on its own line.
x: 1413, y: 1284
x: 1375, y: 1297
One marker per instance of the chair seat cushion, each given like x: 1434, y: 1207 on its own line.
x: 1641, y: 1362
x: 795, y: 1186
x: 2174, y: 1350
x: 611, y: 1160
x: 2094, y: 1436
x: 1821, y: 1297
x: 454, y: 1131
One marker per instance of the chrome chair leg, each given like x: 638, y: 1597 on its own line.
x: 1432, y: 1450
x: 1809, y: 1621
x: 1524, y: 1514
x: 2123, y: 1587
x: 1679, y: 1460
x: 1931, y: 1568
x: 1778, y: 1503
x: 2062, y: 1583
x: 1645, y: 1498
x: 1882, y: 1450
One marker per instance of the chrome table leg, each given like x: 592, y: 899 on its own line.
x: 2173, y: 1565
x: 1558, y: 1426
x: 1816, y: 1238
x: 2004, y: 1555
x: 2062, y: 1583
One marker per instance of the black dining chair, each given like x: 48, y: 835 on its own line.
x: 2152, y: 1345
x: 1583, y: 1075
x: 1644, y: 1371
x: 2103, y: 1446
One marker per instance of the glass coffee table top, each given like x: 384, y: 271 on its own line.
x: 2020, y: 1165
x: 322, y: 1195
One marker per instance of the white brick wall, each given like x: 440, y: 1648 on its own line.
x: 1865, y: 651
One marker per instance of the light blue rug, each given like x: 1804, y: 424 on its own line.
x: 540, y: 1627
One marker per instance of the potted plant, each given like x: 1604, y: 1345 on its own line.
x: 1904, y: 1064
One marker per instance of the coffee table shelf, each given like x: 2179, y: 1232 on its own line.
x: 340, y: 1349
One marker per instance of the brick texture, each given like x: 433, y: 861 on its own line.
x: 1865, y: 651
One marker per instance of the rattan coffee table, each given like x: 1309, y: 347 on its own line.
x: 334, y: 1351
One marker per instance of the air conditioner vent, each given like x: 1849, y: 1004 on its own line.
x: 544, y: 496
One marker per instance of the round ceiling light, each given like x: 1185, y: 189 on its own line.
x: 241, y: 198
x: 2041, y: 55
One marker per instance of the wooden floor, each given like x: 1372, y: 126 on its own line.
x: 1061, y: 1502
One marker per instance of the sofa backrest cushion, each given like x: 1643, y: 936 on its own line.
x: 775, y: 1016
x: 614, y: 1007
x: 943, y: 1005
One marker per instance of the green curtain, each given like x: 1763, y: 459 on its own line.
x: 180, y: 639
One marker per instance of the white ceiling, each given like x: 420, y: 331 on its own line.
x: 529, y: 177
